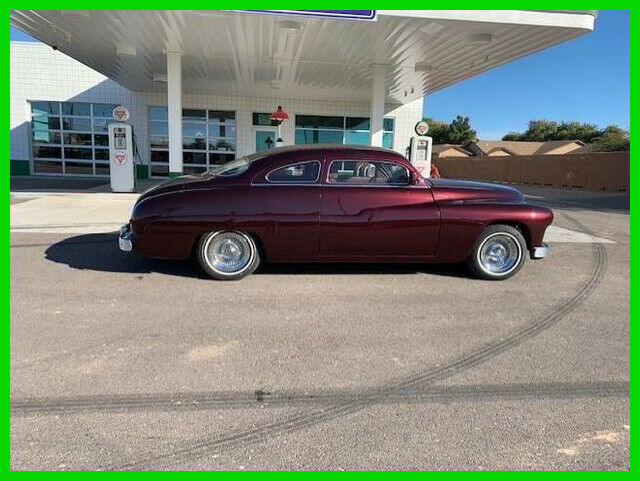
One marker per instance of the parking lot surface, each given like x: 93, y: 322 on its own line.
x: 122, y: 362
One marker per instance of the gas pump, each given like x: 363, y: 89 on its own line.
x: 420, y: 149
x: 121, y: 155
x: 420, y: 154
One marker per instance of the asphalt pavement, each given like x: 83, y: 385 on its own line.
x: 120, y: 362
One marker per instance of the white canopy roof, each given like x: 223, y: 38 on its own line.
x: 241, y: 53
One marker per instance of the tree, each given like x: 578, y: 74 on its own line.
x: 438, y: 130
x: 540, y: 130
x: 513, y: 136
x: 613, y: 139
x: 576, y: 131
x: 460, y: 131
x: 610, y: 138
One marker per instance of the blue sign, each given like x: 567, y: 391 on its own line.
x: 350, y: 14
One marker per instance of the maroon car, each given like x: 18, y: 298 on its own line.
x: 334, y: 204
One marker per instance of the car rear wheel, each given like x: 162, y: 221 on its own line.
x: 228, y: 255
x: 498, y: 253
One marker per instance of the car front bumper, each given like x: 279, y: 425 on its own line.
x: 125, y: 239
x: 540, y: 252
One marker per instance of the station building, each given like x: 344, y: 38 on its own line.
x: 200, y: 85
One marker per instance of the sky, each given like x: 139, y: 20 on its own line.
x: 15, y: 34
x: 586, y: 79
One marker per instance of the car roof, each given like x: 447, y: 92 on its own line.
x: 329, y: 147
x: 267, y: 159
x: 261, y: 159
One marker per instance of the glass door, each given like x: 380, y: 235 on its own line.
x: 264, y: 138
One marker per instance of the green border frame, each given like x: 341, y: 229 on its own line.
x: 147, y: 5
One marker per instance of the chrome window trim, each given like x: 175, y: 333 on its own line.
x: 374, y: 186
x: 278, y: 184
x: 388, y: 186
x: 286, y: 182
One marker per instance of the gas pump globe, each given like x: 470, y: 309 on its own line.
x: 279, y: 116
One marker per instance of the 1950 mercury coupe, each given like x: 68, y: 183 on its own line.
x: 334, y: 204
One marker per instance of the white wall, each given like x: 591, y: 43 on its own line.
x: 40, y: 73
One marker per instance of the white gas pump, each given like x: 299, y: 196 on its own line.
x: 122, y: 162
x: 420, y: 149
x: 420, y: 154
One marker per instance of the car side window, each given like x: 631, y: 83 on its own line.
x: 358, y: 172
x: 302, y: 172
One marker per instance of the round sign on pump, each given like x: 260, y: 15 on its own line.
x: 120, y: 158
x: 422, y: 128
x: 120, y: 113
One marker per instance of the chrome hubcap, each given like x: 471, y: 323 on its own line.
x: 229, y: 252
x: 499, y: 253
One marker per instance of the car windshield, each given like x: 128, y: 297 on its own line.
x: 233, y: 168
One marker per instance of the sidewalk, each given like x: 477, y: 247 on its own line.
x: 80, y: 205
x: 76, y: 205
x: 72, y: 213
x: 48, y: 185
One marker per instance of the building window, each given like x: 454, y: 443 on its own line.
x: 387, y: 132
x: 208, y: 139
x: 70, y: 137
x: 320, y: 129
x: 357, y: 131
x: 261, y: 119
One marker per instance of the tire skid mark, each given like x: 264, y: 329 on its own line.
x: 232, y: 400
x: 218, y: 443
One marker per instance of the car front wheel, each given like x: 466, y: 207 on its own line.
x: 228, y: 255
x: 498, y: 253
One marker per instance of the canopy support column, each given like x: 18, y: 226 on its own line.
x: 174, y: 108
x: 378, y: 93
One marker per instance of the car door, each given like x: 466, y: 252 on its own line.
x: 371, y: 211
x: 288, y: 196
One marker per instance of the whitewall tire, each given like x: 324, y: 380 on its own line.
x: 228, y: 255
x: 498, y: 253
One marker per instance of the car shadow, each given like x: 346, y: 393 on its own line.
x: 361, y: 268
x: 100, y: 252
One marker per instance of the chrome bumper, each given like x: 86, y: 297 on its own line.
x: 124, y: 239
x: 540, y: 252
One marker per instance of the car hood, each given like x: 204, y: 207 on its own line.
x: 454, y: 190
x: 172, y: 185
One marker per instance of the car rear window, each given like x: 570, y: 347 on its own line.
x: 359, y: 172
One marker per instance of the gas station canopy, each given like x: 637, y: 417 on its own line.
x: 261, y: 54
